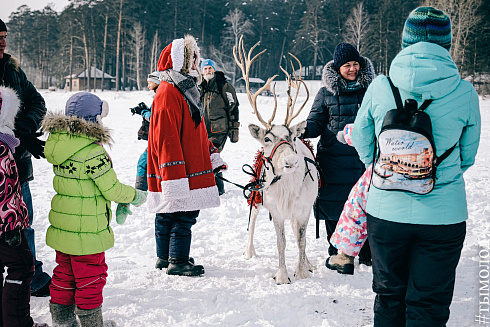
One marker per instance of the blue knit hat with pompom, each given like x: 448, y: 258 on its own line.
x: 427, y: 24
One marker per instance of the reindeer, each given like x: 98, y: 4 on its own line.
x: 290, y: 176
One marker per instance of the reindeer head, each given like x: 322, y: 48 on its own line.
x: 280, y: 145
x: 279, y: 141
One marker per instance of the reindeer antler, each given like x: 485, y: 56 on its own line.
x: 298, y: 81
x: 244, y: 63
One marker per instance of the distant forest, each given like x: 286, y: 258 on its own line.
x: 125, y: 37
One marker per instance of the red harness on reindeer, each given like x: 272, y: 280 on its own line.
x: 255, y: 196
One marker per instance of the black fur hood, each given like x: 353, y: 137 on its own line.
x: 334, y: 83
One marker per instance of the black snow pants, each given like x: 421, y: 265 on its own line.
x: 414, y: 268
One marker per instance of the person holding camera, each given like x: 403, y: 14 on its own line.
x: 220, y: 110
x: 145, y: 112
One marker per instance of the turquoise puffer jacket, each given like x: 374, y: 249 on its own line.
x: 85, y: 184
x: 424, y: 71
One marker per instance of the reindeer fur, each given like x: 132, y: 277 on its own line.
x: 291, y: 197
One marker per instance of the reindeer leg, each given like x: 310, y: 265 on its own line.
x: 299, y: 229
x: 250, y: 250
x: 281, y: 276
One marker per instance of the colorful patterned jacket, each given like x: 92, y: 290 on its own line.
x: 13, y: 211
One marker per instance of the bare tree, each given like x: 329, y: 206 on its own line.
x: 155, y: 48
x: 138, y: 37
x: 356, y: 27
x: 465, y: 15
x: 118, y: 46
x: 238, y: 26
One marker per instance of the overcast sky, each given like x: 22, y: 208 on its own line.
x: 8, y: 6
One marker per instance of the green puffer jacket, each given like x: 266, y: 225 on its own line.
x: 85, y: 184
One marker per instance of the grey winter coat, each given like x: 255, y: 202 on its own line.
x: 32, y: 111
x: 333, y: 108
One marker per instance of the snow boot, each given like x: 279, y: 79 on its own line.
x: 162, y: 263
x: 63, y: 315
x: 93, y: 318
x: 184, y: 268
x: 343, y: 263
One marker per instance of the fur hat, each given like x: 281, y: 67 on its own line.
x: 9, y: 107
x: 154, y: 77
x: 427, y: 24
x: 179, y: 55
x: 87, y: 106
x: 345, y: 52
x: 3, y: 27
x: 207, y: 62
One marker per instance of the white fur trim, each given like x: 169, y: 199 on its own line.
x: 104, y: 112
x: 177, y: 54
x: 175, y: 189
x: 216, y: 161
x: 10, y: 108
x: 198, y: 199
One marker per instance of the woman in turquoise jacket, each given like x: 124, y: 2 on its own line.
x: 416, y: 240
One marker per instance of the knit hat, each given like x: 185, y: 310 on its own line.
x: 154, y: 77
x: 207, y: 62
x: 345, y: 52
x: 427, y: 24
x: 179, y: 55
x: 9, y: 107
x: 3, y: 27
x: 87, y: 106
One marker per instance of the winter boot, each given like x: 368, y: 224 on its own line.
x: 93, y: 318
x: 343, y: 263
x: 162, y: 263
x: 63, y: 315
x: 184, y: 268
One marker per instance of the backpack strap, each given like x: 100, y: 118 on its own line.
x: 444, y: 155
x: 396, y: 94
x: 425, y: 104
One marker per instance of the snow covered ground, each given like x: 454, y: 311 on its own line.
x: 235, y: 291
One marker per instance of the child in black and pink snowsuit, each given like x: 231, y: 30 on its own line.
x: 15, y: 254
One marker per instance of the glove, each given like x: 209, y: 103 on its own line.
x: 233, y: 132
x: 31, y: 143
x: 139, y: 108
x: 340, y: 137
x: 140, y: 198
x: 220, y: 168
x: 122, y: 212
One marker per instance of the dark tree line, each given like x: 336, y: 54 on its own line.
x: 125, y: 37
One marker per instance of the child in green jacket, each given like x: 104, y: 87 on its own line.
x: 80, y: 215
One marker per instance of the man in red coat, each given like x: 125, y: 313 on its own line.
x: 181, y: 159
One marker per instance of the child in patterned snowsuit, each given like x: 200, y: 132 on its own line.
x: 15, y: 254
x: 351, y: 231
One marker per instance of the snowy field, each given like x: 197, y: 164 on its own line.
x: 235, y: 291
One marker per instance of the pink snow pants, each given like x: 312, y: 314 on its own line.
x: 351, y: 231
x: 79, y: 279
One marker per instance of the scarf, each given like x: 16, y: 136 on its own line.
x: 353, y: 86
x: 188, y: 88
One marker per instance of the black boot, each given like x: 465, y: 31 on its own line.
x: 163, y: 263
x: 184, y: 268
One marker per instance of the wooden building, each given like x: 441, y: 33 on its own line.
x: 79, y: 80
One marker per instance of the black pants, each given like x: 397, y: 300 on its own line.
x: 173, y: 234
x: 414, y: 268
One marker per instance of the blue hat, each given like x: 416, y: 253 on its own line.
x: 427, y: 24
x: 154, y: 77
x: 87, y: 106
x: 207, y: 62
x: 345, y: 52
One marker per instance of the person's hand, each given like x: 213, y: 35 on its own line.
x: 233, y: 132
x: 140, y: 198
x: 220, y: 168
x: 30, y: 141
x: 139, y: 108
x: 122, y: 212
x: 340, y: 137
